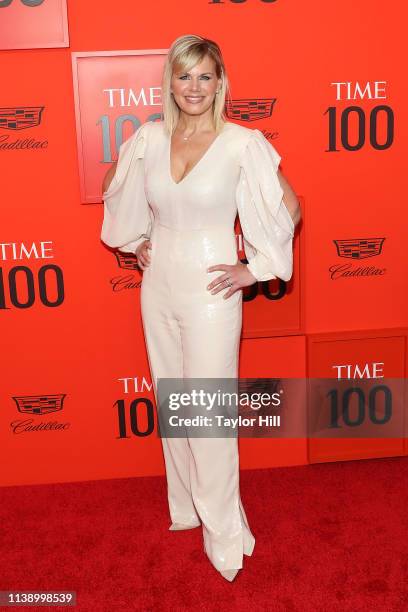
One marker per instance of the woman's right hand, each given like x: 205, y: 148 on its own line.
x: 142, y: 254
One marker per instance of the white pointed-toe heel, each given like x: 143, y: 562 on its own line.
x: 229, y: 574
x: 249, y: 548
x: 181, y: 526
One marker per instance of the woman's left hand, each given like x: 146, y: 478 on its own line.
x: 238, y: 276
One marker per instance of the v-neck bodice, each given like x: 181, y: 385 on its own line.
x: 205, y: 196
x: 207, y: 152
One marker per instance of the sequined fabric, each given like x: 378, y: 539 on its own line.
x: 189, y: 332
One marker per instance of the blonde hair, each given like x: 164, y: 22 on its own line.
x: 185, y: 52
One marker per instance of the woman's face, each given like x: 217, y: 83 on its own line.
x: 194, y: 91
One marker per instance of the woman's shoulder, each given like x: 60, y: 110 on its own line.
x: 254, y: 149
x: 146, y: 134
x: 150, y: 127
x: 241, y: 137
x: 154, y: 125
x: 241, y: 134
x: 237, y: 128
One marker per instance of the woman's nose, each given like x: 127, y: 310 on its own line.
x: 195, y: 85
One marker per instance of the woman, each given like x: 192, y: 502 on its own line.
x: 172, y: 199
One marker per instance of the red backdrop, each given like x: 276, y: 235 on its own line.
x: 74, y: 362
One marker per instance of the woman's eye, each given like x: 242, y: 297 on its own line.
x: 186, y: 76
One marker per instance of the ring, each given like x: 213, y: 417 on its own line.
x: 229, y: 284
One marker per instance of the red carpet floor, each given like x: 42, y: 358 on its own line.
x: 330, y: 537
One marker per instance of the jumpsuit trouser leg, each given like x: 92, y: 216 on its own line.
x: 189, y: 336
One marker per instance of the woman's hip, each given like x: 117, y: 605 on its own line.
x: 179, y: 260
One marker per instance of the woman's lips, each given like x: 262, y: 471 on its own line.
x: 193, y: 100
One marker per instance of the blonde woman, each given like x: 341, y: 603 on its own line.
x: 172, y: 199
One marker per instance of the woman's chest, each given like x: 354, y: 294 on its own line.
x: 209, y: 183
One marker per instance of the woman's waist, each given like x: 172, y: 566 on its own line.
x: 195, y: 247
x: 210, y: 228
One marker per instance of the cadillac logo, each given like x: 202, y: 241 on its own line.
x: 248, y: 109
x: 359, y: 248
x: 20, y: 117
x: 39, y: 404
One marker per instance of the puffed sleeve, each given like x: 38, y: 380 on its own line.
x: 266, y: 223
x: 127, y: 217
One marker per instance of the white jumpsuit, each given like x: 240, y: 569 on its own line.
x: 189, y: 332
